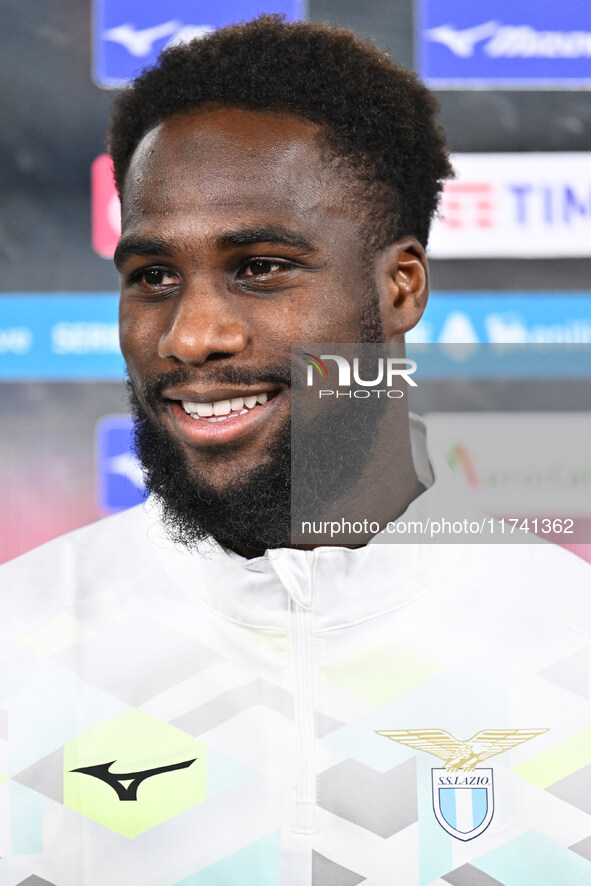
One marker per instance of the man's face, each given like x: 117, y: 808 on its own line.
x: 238, y: 240
x: 241, y: 237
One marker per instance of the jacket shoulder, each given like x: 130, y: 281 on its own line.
x: 78, y: 564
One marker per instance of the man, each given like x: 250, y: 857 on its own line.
x: 191, y: 697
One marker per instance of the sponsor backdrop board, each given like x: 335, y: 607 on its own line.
x: 75, y: 337
x: 80, y: 467
x: 58, y: 125
x: 65, y: 457
x: 60, y: 336
x: 105, y: 207
x: 506, y: 317
x: 58, y: 470
x: 501, y: 43
x: 543, y: 468
x: 526, y: 205
x: 58, y: 119
x: 129, y: 34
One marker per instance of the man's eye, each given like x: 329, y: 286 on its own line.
x: 260, y: 267
x: 155, y: 277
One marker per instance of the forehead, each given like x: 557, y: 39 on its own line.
x: 234, y: 160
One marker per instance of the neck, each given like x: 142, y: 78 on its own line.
x: 384, y: 490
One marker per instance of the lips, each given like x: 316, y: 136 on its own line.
x: 204, y: 418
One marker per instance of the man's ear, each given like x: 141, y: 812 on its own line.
x: 402, y: 276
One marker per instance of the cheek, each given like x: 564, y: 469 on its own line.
x: 334, y: 317
x: 128, y: 331
x: 328, y: 306
x: 139, y: 334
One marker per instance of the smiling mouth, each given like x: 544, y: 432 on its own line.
x: 224, y: 410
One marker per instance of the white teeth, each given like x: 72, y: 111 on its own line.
x: 222, y: 407
x: 219, y: 410
x: 204, y: 410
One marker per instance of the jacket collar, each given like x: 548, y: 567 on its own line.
x: 341, y: 586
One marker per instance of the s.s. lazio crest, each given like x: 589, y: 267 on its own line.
x: 463, y: 802
x: 463, y: 793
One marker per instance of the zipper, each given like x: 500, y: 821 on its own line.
x: 299, y: 585
x: 305, y: 811
x: 304, y: 818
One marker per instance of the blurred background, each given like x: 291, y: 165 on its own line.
x: 510, y: 254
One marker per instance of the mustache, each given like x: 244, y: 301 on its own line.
x: 279, y: 373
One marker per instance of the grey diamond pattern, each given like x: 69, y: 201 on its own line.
x: 575, y: 789
x: 108, y: 660
x: 468, y: 875
x: 234, y: 701
x: 328, y: 873
x: 35, y: 881
x: 570, y: 673
x: 46, y: 776
x: 383, y: 803
x: 583, y: 847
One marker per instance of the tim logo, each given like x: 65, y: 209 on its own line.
x: 384, y: 371
x: 469, y: 205
x: 463, y: 794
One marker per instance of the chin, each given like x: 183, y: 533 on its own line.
x: 221, y: 474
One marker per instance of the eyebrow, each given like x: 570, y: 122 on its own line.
x: 267, y: 234
x: 131, y: 246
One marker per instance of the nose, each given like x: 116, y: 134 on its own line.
x: 204, y: 324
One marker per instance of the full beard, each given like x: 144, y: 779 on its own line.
x: 254, y: 513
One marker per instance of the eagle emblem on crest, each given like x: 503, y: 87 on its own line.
x: 465, y: 755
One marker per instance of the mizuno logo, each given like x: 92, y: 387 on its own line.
x: 116, y: 780
x: 512, y: 41
x: 462, y: 42
x: 139, y: 42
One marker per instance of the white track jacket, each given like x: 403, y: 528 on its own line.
x: 395, y: 715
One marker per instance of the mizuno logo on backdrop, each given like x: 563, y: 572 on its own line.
x: 512, y: 41
x: 116, y: 780
x: 140, y: 41
x: 462, y: 42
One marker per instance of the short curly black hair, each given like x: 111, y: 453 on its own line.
x: 377, y: 117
